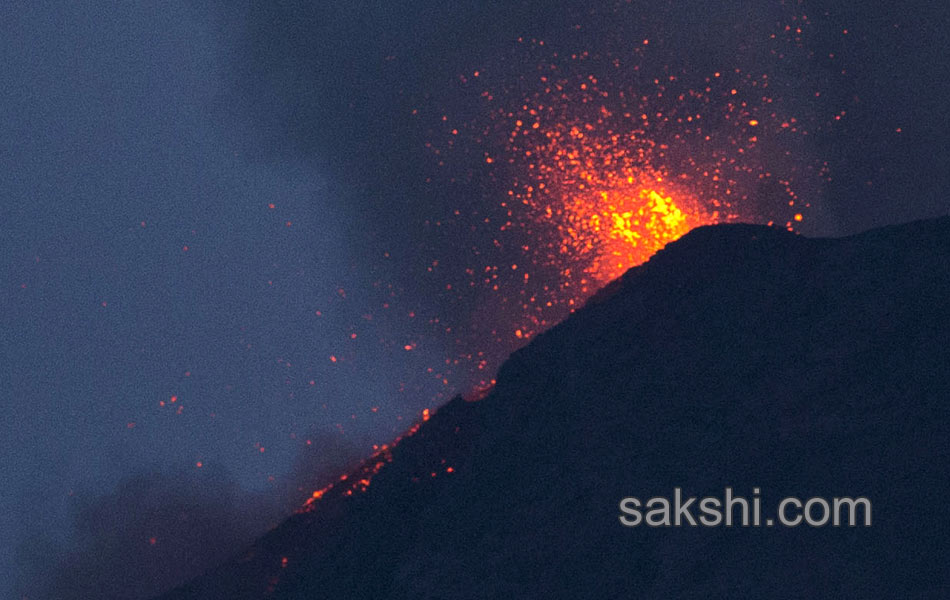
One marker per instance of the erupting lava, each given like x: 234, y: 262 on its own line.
x: 559, y: 169
x: 610, y: 231
x: 576, y: 165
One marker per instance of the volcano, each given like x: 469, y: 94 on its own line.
x: 739, y: 356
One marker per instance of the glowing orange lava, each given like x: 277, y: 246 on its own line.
x: 599, y: 195
x: 610, y: 231
x: 562, y: 165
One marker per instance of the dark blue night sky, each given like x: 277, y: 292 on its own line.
x: 207, y: 202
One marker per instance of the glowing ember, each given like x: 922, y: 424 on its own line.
x: 560, y: 168
x: 607, y: 232
x: 597, y: 158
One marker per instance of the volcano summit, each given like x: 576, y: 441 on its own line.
x: 739, y: 356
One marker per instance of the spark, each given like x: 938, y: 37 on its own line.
x: 595, y: 160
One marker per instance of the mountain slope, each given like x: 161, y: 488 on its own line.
x: 740, y: 356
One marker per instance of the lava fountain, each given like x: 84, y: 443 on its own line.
x: 609, y: 231
x: 560, y: 168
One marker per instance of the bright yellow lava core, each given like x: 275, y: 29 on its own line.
x: 617, y: 229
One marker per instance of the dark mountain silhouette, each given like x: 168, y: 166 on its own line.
x: 740, y: 356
